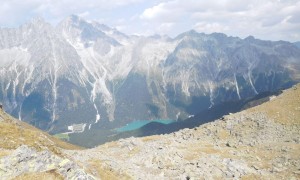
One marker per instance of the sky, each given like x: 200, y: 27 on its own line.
x: 264, y: 19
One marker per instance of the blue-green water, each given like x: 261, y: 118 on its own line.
x: 138, y: 124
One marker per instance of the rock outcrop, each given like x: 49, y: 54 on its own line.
x: 26, y: 160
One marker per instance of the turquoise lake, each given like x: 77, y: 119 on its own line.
x: 138, y: 124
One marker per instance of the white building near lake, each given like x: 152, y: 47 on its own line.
x: 77, y: 128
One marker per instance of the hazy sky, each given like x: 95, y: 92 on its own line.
x: 264, y: 19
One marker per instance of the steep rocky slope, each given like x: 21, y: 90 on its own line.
x: 15, y: 133
x: 262, y: 142
x: 28, y: 153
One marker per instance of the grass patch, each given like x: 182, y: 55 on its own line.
x: 62, y: 136
x: 284, y: 109
x: 150, y: 138
x: 103, y: 171
x: 49, y: 175
x: 15, y: 133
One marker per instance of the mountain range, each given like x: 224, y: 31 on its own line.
x: 85, y: 72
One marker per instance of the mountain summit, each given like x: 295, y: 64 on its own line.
x: 86, y: 72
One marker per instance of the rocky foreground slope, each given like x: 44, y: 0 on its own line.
x: 259, y: 143
x: 28, y: 153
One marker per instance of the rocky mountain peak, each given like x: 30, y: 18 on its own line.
x: 75, y: 28
x: 250, y: 38
x: 38, y: 22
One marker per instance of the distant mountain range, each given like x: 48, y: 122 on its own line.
x: 86, y: 72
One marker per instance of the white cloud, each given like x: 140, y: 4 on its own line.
x: 160, y: 10
x: 153, y: 12
x: 267, y: 19
x: 166, y: 12
x: 84, y: 14
x: 210, y: 27
x: 165, y: 28
x: 14, y: 12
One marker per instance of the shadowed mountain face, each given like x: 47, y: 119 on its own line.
x: 95, y: 137
x: 297, y: 44
x: 85, y: 72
